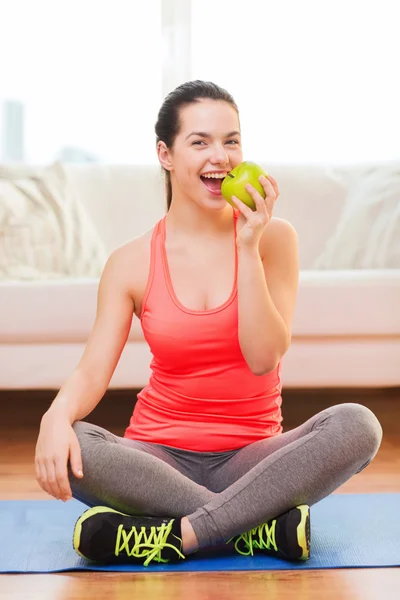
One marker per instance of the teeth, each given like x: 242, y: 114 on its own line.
x: 215, y: 175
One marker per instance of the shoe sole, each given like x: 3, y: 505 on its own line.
x: 303, y: 531
x: 95, y: 510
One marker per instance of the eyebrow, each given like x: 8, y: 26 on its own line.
x: 208, y: 135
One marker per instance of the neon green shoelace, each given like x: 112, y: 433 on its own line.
x: 145, y: 544
x: 254, y: 539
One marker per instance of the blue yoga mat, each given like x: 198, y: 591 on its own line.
x: 347, y: 530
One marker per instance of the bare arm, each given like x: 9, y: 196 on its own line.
x: 87, y: 384
x: 267, y: 295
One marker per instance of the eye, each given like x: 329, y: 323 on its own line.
x: 201, y: 142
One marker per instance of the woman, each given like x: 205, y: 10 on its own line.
x: 204, y: 463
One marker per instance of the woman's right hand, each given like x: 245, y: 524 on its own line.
x: 57, y: 442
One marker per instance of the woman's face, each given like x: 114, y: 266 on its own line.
x: 209, y: 140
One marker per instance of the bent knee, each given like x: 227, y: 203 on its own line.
x: 90, y: 433
x: 80, y: 428
x: 363, y: 426
x: 78, y: 425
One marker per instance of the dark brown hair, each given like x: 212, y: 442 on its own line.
x: 168, y: 120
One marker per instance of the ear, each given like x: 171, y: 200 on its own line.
x: 164, y: 156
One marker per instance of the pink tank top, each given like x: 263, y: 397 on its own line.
x: 201, y: 395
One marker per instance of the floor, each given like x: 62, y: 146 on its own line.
x: 19, y: 426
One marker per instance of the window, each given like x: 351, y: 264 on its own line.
x: 80, y: 80
x: 84, y: 80
x: 314, y: 81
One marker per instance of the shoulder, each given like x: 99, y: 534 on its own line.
x: 128, y: 264
x: 132, y: 251
x: 279, y: 235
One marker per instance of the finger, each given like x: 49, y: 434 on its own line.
x: 41, y: 475
x: 267, y: 185
x: 244, y: 209
x: 258, y: 199
x: 271, y: 197
x: 63, y: 481
x: 38, y: 472
x: 44, y: 483
x: 75, y: 457
x: 52, y: 480
x: 274, y: 185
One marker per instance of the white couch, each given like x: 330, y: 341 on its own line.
x: 346, y: 329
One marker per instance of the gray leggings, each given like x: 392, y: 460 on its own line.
x: 224, y: 494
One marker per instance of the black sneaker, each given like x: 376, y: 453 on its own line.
x: 105, y: 535
x: 287, y: 536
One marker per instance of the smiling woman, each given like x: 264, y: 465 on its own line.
x: 198, y: 103
x: 204, y: 461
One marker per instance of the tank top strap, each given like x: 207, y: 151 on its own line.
x: 156, y: 272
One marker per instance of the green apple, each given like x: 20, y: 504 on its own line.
x: 234, y: 184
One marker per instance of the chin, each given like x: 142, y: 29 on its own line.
x: 216, y: 204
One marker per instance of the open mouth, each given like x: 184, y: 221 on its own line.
x: 212, y: 184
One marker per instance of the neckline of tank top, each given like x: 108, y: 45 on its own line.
x: 167, y: 273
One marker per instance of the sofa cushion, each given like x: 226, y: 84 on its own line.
x: 51, y: 311
x: 349, y: 302
x: 46, y: 232
x: 367, y: 235
x: 124, y: 201
x: 336, y: 303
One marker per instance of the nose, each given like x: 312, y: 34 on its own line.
x: 219, y: 155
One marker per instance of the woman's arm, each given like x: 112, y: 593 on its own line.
x: 267, y: 290
x: 87, y: 384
